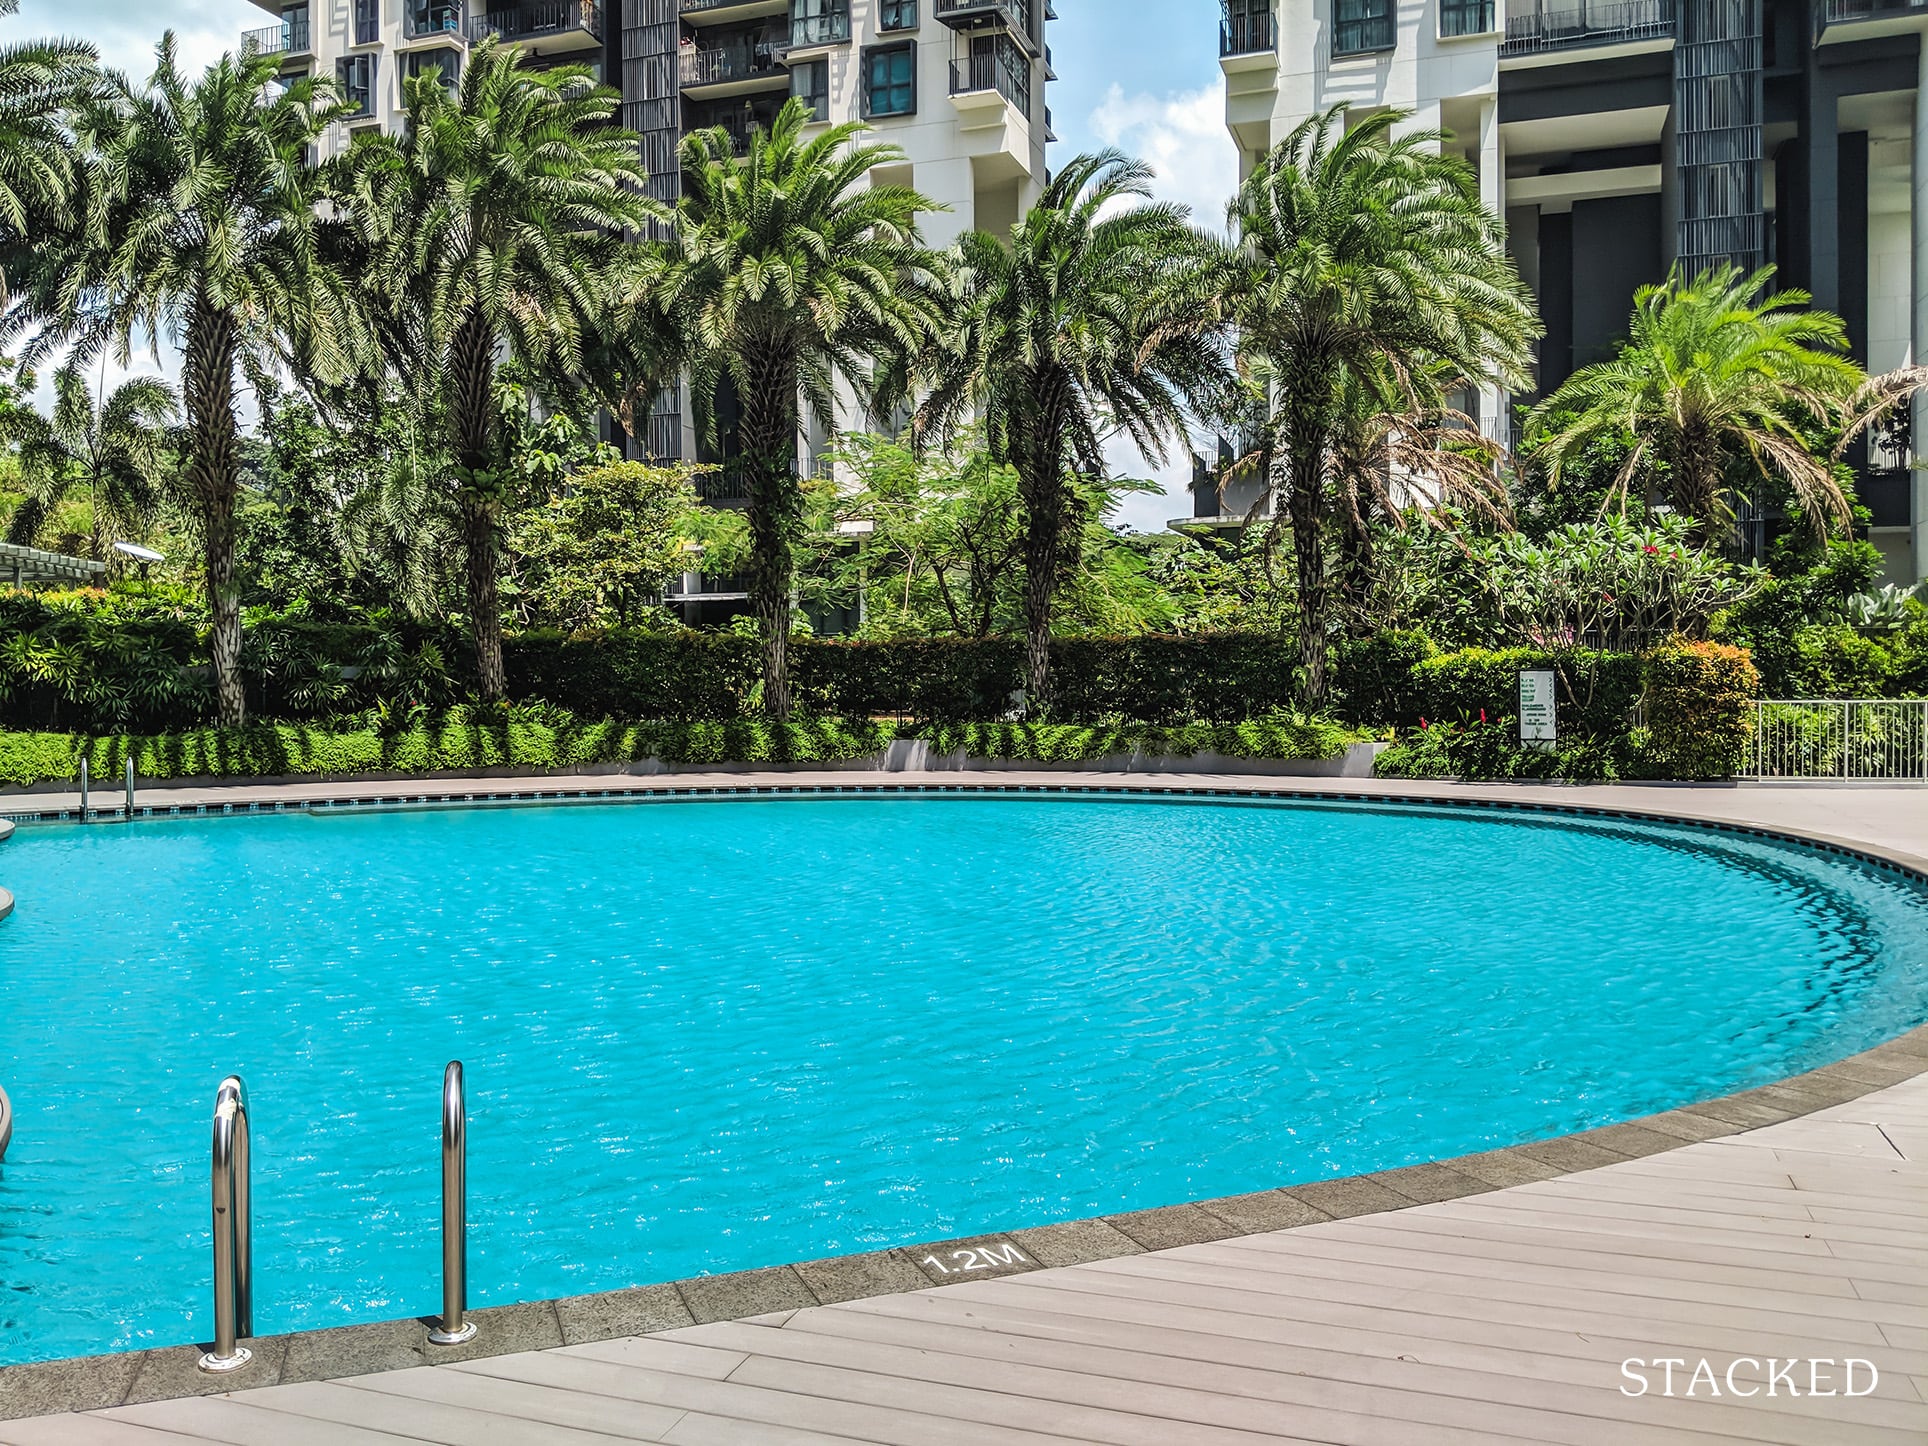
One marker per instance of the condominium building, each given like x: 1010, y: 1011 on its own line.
x: 1620, y: 137
x: 957, y: 85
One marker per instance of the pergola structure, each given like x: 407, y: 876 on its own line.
x: 22, y: 565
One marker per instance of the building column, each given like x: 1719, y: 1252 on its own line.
x: 1918, y: 349
x: 1495, y: 414
x: 1821, y: 155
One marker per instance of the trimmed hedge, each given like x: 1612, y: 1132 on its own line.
x: 1598, y: 692
x: 1281, y: 738
x: 1700, y: 699
x: 457, y: 740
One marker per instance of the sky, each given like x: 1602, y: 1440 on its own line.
x: 1141, y: 75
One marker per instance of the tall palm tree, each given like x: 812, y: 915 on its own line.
x: 788, y: 272
x: 39, y: 79
x: 1719, y: 372
x: 201, y: 230
x: 486, y: 224
x: 1093, y: 316
x: 1363, y: 251
x: 115, y: 448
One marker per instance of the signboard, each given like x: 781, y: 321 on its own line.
x: 1538, y: 711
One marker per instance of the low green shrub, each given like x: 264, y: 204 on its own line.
x: 1281, y: 736
x: 1482, y: 752
x: 1700, y: 708
x: 455, y: 740
x: 1598, y: 692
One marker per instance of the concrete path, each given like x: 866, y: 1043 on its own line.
x: 1542, y: 1312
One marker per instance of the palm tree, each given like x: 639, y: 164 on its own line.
x: 487, y: 223
x: 787, y: 272
x: 1718, y: 372
x: 116, y: 449
x: 201, y: 230
x: 1363, y: 253
x: 1093, y: 316
x: 38, y: 82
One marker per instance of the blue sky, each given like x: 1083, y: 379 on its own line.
x: 1138, y: 74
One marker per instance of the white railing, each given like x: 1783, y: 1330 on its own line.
x: 1834, y: 739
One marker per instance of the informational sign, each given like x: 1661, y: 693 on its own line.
x: 1538, y: 720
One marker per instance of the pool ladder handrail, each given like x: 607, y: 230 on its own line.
x: 456, y: 1327
x: 233, y: 1231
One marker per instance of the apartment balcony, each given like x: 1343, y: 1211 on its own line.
x: 1586, y: 26
x: 435, y: 21
x: 1866, y: 17
x: 733, y: 70
x: 1013, y: 16
x: 541, y: 27
x: 1242, y: 35
x: 726, y: 12
x: 982, y: 81
x: 290, y: 39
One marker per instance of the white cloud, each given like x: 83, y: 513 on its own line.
x: 1182, y: 135
x: 125, y: 32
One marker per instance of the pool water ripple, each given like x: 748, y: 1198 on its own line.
x: 710, y: 1036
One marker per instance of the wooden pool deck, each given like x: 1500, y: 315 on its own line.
x: 1503, y: 1316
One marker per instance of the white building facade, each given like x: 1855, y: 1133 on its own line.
x: 1619, y: 137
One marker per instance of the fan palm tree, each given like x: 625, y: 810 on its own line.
x: 1717, y: 372
x: 787, y: 272
x: 486, y: 224
x: 1094, y: 316
x: 116, y: 449
x: 201, y: 230
x: 39, y: 79
x: 1363, y: 253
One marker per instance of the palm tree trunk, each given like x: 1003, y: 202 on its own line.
x: 769, y: 462
x: 1305, y: 491
x: 1044, y: 523
x: 208, y: 384
x: 472, y: 420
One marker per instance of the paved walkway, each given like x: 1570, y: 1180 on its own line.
x: 1504, y: 1316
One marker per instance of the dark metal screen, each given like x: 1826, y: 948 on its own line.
x: 1717, y: 135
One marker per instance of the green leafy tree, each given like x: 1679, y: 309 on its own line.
x: 487, y: 224
x: 1720, y: 379
x: 1094, y: 316
x: 787, y: 273
x: 39, y: 81
x: 116, y: 450
x: 1364, y: 253
x: 202, y: 231
x: 600, y: 549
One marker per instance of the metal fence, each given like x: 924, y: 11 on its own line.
x: 1834, y: 739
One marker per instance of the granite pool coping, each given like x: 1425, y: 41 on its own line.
x: 89, y: 1383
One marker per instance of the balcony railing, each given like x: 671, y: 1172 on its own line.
x: 1017, y: 12
x: 1465, y: 17
x: 440, y: 19
x: 534, y: 19
x: 1370, y: 27
x: 1614, y: 23
x: 1251, y: 34
x: 1846, y: 12
x: 810, y: 30
x: 718, y: 67
x: 982, y: 74
x: 290, y: 37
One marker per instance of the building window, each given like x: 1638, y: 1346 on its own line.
x: 446, y: 61
x: 819, y: 22
x: 897, y: 15
x: 1465, y: 17
x: 1362, y: 26
x: 368, y: 21
x: 890, y: 80
x: 810, y: 83
x: 357, y: 76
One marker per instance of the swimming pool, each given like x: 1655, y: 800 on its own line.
x: 706, y: 1036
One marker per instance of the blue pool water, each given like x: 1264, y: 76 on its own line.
x: 708, y: 1036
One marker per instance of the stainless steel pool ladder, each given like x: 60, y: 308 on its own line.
x: 233, y: 1231
x: 456, y: 1327
x: 83, y: 788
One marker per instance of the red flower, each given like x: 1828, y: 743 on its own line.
x: 1482, y: 715
x: 1422, y: 725
x: 1651, y: 548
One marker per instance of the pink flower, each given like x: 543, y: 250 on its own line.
x: 1482, y: 715
x: 1651, y: 548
